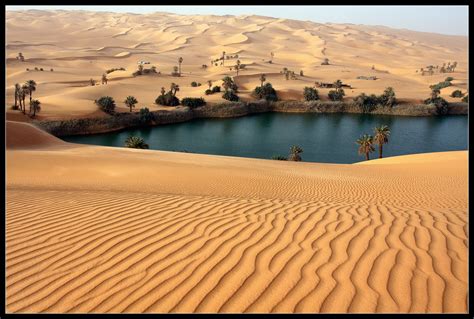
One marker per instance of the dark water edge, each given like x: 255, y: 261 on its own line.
x: 327, y: 138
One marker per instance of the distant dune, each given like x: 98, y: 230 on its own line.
x: 83, y: 45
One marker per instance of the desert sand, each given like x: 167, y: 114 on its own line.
x: 102, y: 229
x: 81, y: 45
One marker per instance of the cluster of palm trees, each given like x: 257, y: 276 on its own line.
x: 21, y: 91
x: 366, y: 142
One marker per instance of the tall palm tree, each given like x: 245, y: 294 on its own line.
x: 263, y: 78
x: 382, y: 133
x: 223, y: 57
x: 24, y: 91
x: 180, y: 60
x: 163, y: 91
x: 209, y: 83
x: 130, y: 101
x: 136, y: 142
x: 17, y: 95
x: 295, y: 152
x: 174, y: 88
x: 31, y: 84
x: 366, y: 145
x: 237, y: 66
x: 227, y: 83
x: 36, y: 106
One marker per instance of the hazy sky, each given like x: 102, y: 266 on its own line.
x: 439, y: 19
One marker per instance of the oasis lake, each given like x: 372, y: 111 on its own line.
x: 327, y: 138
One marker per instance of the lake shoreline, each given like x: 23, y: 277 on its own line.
x: 121, y: 121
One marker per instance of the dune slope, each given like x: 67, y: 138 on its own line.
x: 100, y: 229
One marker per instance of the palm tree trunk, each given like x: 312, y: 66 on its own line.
x: 16, y: 100
x: 380, y: 150
x: 30, y: 100
x: 367, y: 156
x: 24, y: 105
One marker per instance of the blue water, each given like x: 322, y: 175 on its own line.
x: 326, y: 138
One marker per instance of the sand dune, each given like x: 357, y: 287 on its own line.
x: 87, y: 44
x: 101, y: 229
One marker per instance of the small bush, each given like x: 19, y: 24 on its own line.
x: 27, y: 69
x: 466, y: 99
x: 145, y: 116
x: 167, y: 100
x: 106, y: 104
x: 208, y: 92
x: 216, y: 89
x: 266, y: 92
x: 336, y: 95
x: 457, y: 93
x: 194, y: 84
x: 366, y: 103
x: 310, y: 94
x: 41, y: 69
x: 193, y: 102
x: 279, y: 158
x: 440, y: 85
x: 449, y: 79
x: 442, y: 106
x: 36, y: 69
x: 52, y: 70
x: 230, y: 96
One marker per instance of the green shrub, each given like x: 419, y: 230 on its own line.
x: 106, y: 104
x: 230, y: 96
x: 266, y: 92
x: 336, y: 95
x: 466, y: 99
x: 279, y: 158
x: 194, y: 84
x: 208, y: 92
x: 310, y: 94
x: 457, y: 93
x: 193, y: 102
x: 167, y: 99
x: 388, y: 97
x: 366, y: 103
x: 449, y: 79
x: 145, y: 116
x: 136, y: 142
x: 440, y: 85
x: 442, y: 106
x: 216, y: 89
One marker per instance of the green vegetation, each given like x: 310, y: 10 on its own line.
x: 35, y: 105
x: 442, y: 85
x: 338, y: 94
x: 114, y: 69
x: 266, y: 92
x: 167, y: 99
x: 193, y: 102
x: 465, y: 99
x: 310, y: 94
x: 145, y: 116
x: 442, y: 106
x: 279, y: 158
x: 457, y: 93
x: 295, y: 152
x: 230, y: 89
x: 365, y: 143
x: 381, y: 136
x: 195, y: 84
x: 230, y: 96
x: 106, y: 104
x: 388, y: 97
x: 366, y: 103
x: 136, y: 142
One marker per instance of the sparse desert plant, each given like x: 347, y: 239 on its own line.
x: 325, y: 61
x: 366, y: 146
x: 266, y: 92
x: 41, y: 69
x: 136, y: 142
x: 193, y: 102
x: 310, y: 94
x: 194, y: 84
x: 27, y: 69
x: 381, y: 135
x: 180, y: 61
x: 36, y: 68
x: 465, y: 99
x: 295, y: 152
x: 301, y: 73
x: 104, y: 79
x: 457, y: 93
x: 208, y: 92
x: 106, y: 104
x: 51, y: 70
x: 130, y: 101
x: 92, y: 82
x: 263, y: 78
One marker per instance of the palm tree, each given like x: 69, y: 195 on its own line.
x: 434, y: 93
x: 237, y: 66
x: 104, y: 78
x: 223, y: 57
x: 136, y: 142
x: 31, y: 84
x: 180, y: 60
x: 366, y: 145
x: 295, y: 152
x: 17, y: 95
x: 140, y: 69
x: 130, y: 101
x: 174, y: 88
x: 36, y: 106
x: 24, y: 91
x: 382, y: 133
x: 163, y: 91
x: 209, y: 83
x: 227, y: 83
x: 263, y: 78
